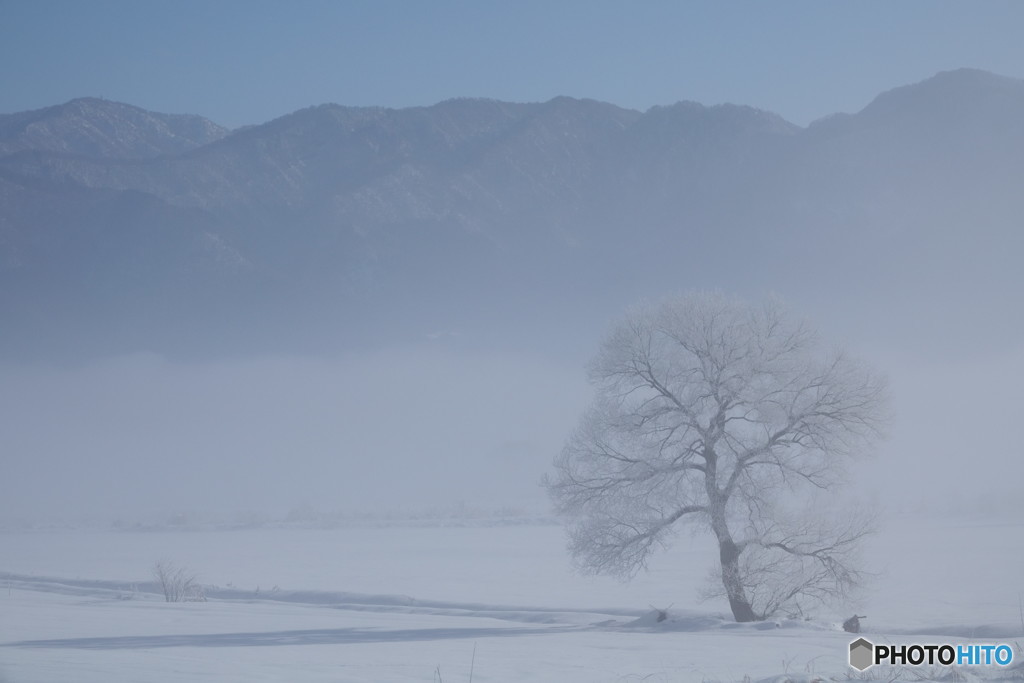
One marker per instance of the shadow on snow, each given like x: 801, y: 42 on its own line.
x: 333, y: 636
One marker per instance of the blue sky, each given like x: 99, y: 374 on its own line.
x: 247, y: 62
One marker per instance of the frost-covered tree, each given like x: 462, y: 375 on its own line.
x: 713, y: 412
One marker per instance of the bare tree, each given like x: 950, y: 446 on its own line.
x: 177, y: 583
x: 716, y: 413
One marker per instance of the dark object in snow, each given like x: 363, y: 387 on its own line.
x: 852, y: 625
x: 662, y: 613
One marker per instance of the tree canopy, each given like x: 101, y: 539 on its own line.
x: 714, y: 412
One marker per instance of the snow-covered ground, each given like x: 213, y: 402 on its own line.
x: 498, y: 603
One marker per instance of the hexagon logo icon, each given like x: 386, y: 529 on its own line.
x: 861, y: 654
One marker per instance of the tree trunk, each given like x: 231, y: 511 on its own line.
x: 738, y: 602
x: 728, y: 552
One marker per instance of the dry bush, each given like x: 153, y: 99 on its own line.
x: 178, y: 584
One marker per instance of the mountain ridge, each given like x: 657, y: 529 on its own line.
x: 153, y: 224
x: 90, y: 126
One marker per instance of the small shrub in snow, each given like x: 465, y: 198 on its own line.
x: 177, y: 584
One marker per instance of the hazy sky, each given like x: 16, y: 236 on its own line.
x: 241, y: 62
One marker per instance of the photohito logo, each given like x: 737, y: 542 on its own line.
x: 864, y: 653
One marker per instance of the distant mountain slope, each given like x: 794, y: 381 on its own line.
x: 99, y: 128
x: 143, y: 230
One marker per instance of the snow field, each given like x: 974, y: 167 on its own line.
x: 407, y: 604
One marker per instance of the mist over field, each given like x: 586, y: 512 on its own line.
x: 141, y: 438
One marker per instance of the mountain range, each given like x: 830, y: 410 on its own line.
x: 334, y: 227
